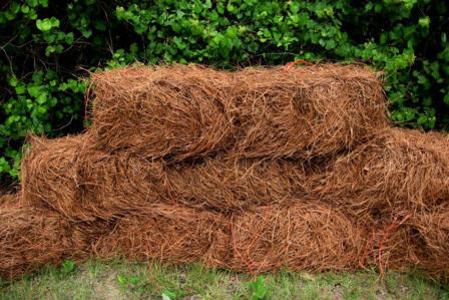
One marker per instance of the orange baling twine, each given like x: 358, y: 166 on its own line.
x: 289, y: 65
x: 385, y: 233
x: 388, y: 231
x: 367, y: 247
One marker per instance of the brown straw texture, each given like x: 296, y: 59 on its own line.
x: 178, y: 112
x: 254, y: 171
x: 399, y: 168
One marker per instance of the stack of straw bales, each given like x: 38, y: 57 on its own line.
x: 253, y: 170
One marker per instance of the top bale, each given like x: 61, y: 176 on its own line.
x: 307, y: 112
x: 178, y: 112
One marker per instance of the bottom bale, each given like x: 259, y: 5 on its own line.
x: 305, y: 236
x: 309, y: 236
x: 162, y: 232
x: 432, y: 227
x: 393, y: 244
x: 31, y: 238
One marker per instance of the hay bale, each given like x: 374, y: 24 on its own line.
x: 307, y: 112
x: 401, y: 169
x: 31, y: 238
x: 173, y: 111
x: 305, y: 236
x: 167, y: 233
x: 308, y: 236
x: 47, y: 176
x: 432, y: 228
x: 413, y: 240
x: 83, y: 183
x: 392, y: 243
x: 179, y: 112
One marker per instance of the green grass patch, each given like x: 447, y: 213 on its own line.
x: 126, y: 280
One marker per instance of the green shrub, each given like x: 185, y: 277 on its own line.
x: 46, y: 45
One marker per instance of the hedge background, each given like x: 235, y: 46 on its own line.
x: 47, y: 45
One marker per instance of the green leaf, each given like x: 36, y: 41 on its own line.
x: 54, y: 22
x: 34, y: 91
x: 47, y: 24
x: 86, y: 33
x: 69, y: 38
x: 32, y: 3
x: 41, y: 98
x: 49, y: 50
x: 13, y: 81
x: 424, y: 22
x: 44, y: 3
x: 14, y: 8
x: 4, y: 165
x: 25, y: 9
x: 20, y: 89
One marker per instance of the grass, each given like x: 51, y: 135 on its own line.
x: 125, y: 280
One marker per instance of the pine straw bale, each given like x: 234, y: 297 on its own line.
x: 391, y: 243
x: 48, y: 177
x: 305, y: 236
x: 307, y: 112
x: 31, y: 238
x: 400, y: 168
x: 413, y: 240
x: 179, y: 111
x: 169, y: 233
x: 433, y: 229
x: 83, y: 183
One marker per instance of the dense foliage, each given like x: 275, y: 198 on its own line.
x: 46, y: 45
